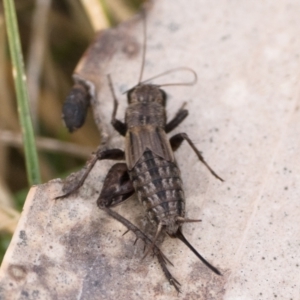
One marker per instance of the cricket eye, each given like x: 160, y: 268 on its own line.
x: 130, y: 96
x: 164, y: 97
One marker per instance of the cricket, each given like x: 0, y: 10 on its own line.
x: 147, y: 166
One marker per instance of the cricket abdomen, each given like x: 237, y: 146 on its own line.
x: 158, y: 186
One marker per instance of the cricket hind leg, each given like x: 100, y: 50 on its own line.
x: 117, y: 188
x: 114, y: 154
x: 162, y: 259
x: 177, y: 140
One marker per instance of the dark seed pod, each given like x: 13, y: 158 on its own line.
x: 75, y: 107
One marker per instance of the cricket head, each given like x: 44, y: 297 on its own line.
x: 146, y: 93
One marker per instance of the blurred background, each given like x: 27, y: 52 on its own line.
x: 54, y: 34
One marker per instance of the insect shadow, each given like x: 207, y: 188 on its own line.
x: 150, y: 169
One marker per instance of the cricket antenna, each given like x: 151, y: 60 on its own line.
x: 144, y: 45
x: 192, y: 82
x: 180, y: 236
x: 140, y: 82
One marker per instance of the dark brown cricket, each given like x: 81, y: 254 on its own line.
x: 150, y: 170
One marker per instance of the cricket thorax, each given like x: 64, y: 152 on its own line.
x: 158, y: 186
x: 144, y: 113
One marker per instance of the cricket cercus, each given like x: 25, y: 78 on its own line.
x: 150, y: 169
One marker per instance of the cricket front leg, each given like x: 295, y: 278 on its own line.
x: 117, y: 188
x: 117, y: 124
x: 114, y: 154
x: 179, y: 117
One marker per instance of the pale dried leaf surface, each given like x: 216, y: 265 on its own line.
x: 244, y: 117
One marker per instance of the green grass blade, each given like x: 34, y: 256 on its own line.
x: 31, y: 158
